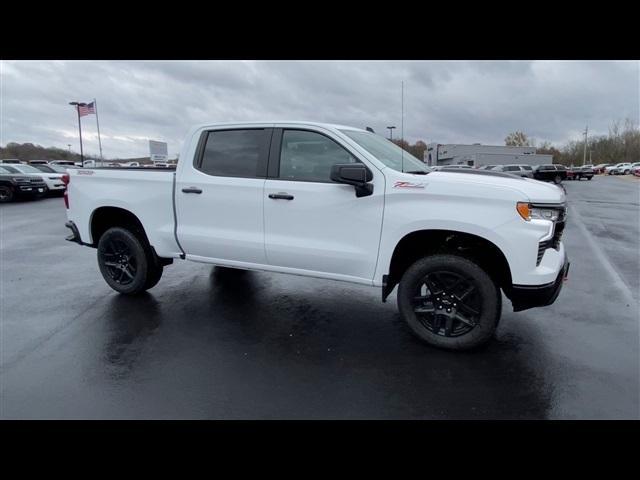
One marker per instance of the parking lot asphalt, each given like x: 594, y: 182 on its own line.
x: 210, y: 343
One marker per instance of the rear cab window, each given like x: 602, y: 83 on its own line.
x: 234, y: 153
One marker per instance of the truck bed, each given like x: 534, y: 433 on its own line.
x: 146, y: 192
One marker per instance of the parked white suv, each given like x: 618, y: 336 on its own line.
x: 331, y: 202
x: 618, y: 169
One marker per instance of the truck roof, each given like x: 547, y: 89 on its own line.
x: 281, y: 122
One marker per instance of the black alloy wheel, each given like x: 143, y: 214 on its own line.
x: 449, y: 301
x: 119, y: 261
x: 126, y: 261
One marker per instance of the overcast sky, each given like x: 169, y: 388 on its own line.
x: 446, y: 102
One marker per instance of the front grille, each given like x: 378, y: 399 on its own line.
x: 553, y: 242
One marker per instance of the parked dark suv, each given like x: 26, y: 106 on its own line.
x: 578, y: 173
x: 13, y: 186
x: 550, y: 173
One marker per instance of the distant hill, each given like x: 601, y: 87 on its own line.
x: 29, y: 151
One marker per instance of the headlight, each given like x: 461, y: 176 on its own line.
x: 528, y: 212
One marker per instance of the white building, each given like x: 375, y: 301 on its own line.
x: 477, y: 155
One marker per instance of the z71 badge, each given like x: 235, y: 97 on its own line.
x: 400, y: 184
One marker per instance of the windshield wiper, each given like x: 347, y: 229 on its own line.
x: 417, y: 172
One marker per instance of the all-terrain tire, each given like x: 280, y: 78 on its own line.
x: 124, y: 261
x: 485, y: 300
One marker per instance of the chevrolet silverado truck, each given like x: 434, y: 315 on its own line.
x: 331, y: 202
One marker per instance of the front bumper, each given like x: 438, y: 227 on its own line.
x: 524, y: 297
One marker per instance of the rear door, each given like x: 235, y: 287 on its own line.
x: 312, y: 223
x: 219, y: 199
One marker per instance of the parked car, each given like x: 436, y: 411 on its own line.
x: 38, y: 162
x: 578, y: 173
x: 53, y: 180
x: 13, y: 186
x: 10, y: 160
x: 550, y: 173
x: 600, y: 168
x: 635, y: 167
x: 618, y: 169
x: 451, y: 239
x: 519, y: 170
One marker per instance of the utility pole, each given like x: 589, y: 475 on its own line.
x: 584, y: 156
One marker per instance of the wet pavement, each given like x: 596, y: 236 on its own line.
x: 212, y: 343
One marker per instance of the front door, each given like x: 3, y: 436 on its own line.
x: 312, y: 223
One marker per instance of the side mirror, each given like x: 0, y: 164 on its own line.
x: 355, y: 174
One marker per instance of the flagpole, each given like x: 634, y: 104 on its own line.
x: 80, y: 132
x: 95, y: 104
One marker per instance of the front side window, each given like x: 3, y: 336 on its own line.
x: 309, y: 156
x: 234, y: 153
x: 512, y: 168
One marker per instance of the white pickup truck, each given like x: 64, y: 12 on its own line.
x: 331, y: 202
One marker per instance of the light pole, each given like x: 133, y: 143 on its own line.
x: 584, y: 155
x: 78, y: 105
x: 391, y: 132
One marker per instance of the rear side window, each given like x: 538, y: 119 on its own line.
x: 309, y: 156
x: 512, y: 168
x: 235, y: 153
x: 526, y: 167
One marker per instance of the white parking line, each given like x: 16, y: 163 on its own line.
x: 618, y: 282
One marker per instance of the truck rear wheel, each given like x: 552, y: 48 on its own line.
x: 126, y: 262
x: 449, y: 302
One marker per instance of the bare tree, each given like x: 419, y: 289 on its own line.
x: 517, y: 139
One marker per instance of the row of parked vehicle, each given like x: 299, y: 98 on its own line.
x: 19, y: 180
x: 547, y: 173
x: 555, y: 172
x: 618, y: 168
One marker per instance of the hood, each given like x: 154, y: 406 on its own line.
x: 533, y: 190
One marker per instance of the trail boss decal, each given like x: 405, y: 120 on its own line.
x: 400, y: 184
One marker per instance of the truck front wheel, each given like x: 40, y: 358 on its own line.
x: 449, y: 302
x: 126, y: 262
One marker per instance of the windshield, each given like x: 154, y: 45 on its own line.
x: 4, y: 170
x: 10, y: 169
x: 27, y: 169
x: 387, y: 152
x: 45, y: 168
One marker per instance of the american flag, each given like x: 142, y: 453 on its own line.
x: 87, y: 109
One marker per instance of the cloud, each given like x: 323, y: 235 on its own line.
x: 447, y: 102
